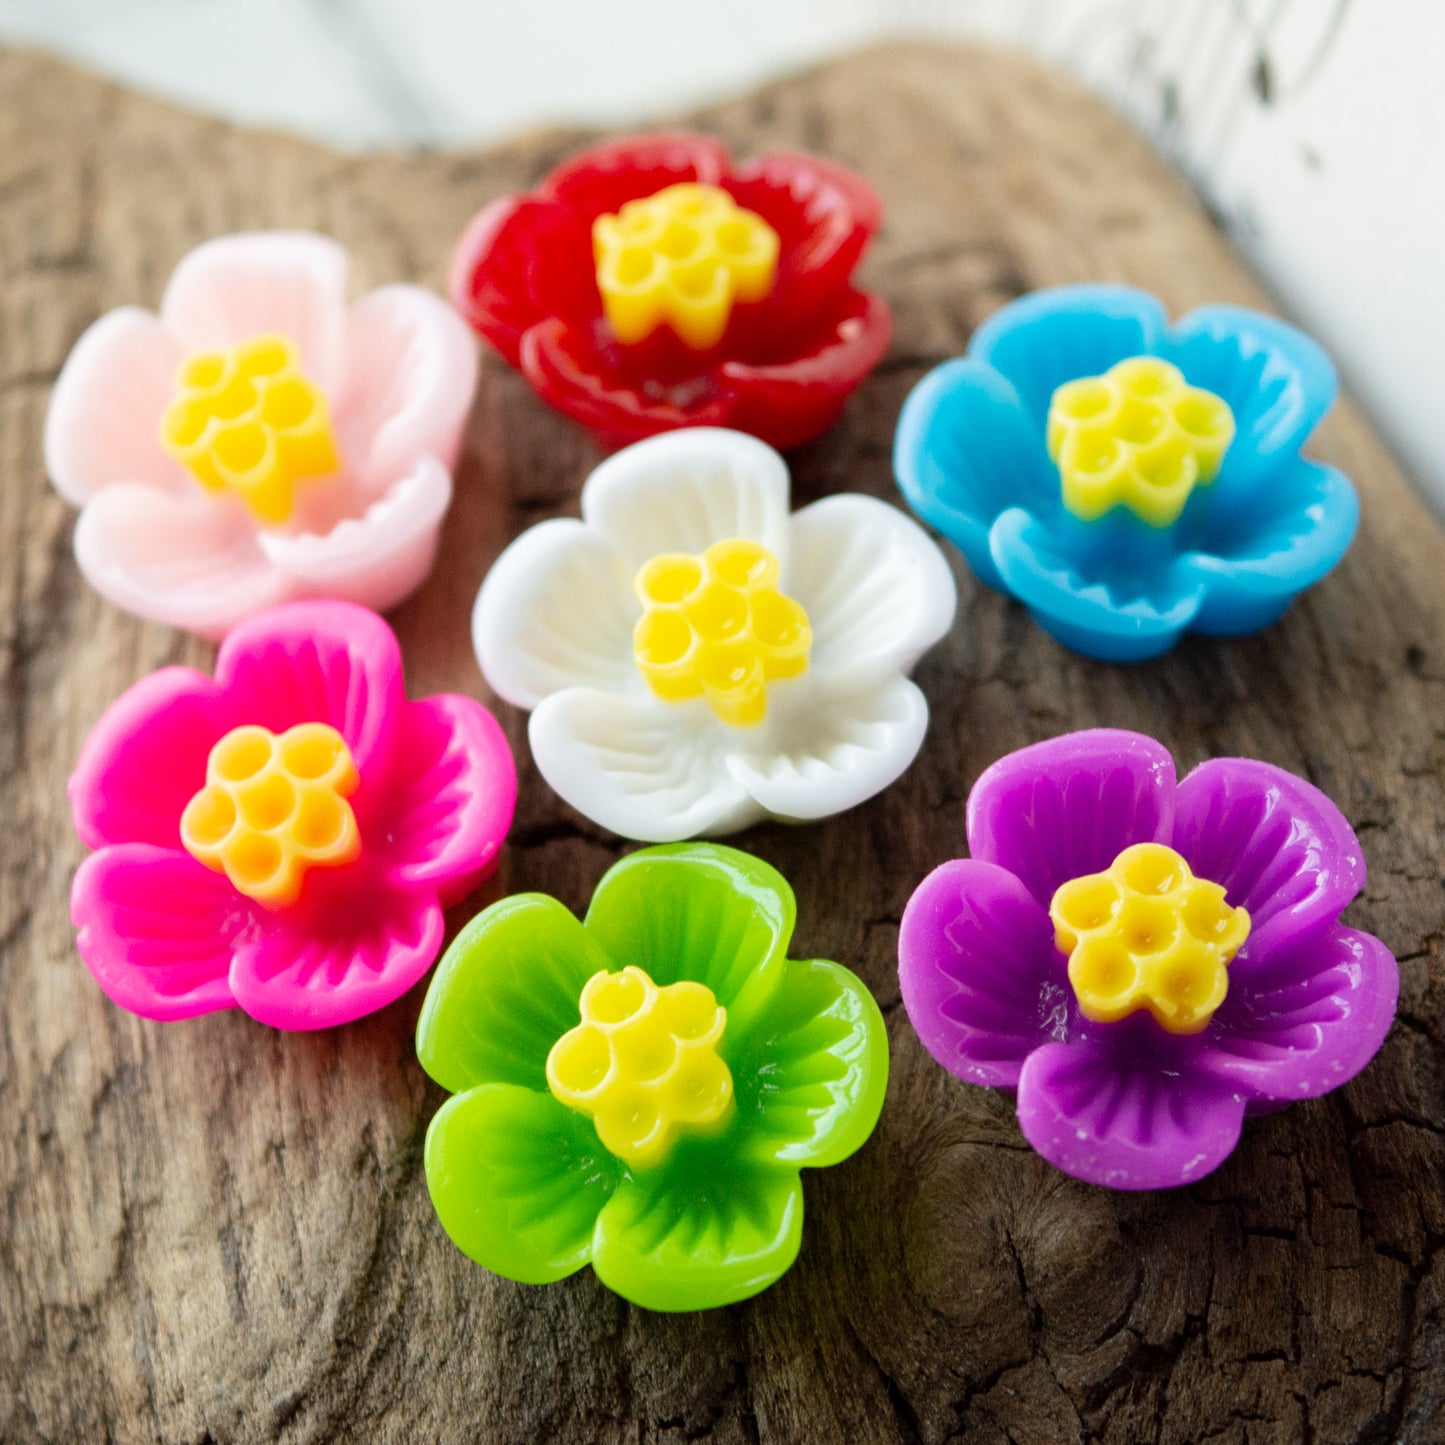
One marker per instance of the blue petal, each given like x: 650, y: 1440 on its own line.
x: 964, y: 451
x: 1252, y: 573
x: 1049, y: 337
x: 1276, y: 380
x: 1087, y: 613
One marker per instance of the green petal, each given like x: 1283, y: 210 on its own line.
x: 518, y: 1181
x: 698, y: 911
x: 692, y: 1240
x: 505, y: 992
x: 810, y: 1079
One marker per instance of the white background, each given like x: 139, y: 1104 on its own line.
x: 1314, y: 127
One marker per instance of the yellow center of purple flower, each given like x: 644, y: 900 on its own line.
x: 1147, y: 934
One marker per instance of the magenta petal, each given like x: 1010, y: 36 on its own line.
x: 1306, y: 1018
x: 982, y: 982
x: 1070, y: 806
x: 456, y: 789
x: 1281, y: 848
x: 156, y: 929
x: 145, y: 758
x: 1125, y: 1122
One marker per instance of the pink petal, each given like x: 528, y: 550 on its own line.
x: 157, y: 929
x: 146, y: 758
x: 286, y: 282
x: 1070, y: 806
x: 411, y: 369
x: 104, y: 418
x: 454, y: 797
x: 187, y: 561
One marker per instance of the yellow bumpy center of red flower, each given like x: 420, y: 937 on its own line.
x: 682, y: 257
x: 1148, y: 934
x: 1139, y: 436
x: 643, y: 1064
x: 716, y: 626
x: 274, y: 807
x: 248, y: 420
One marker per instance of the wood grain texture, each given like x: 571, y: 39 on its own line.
x: 213, y: 1232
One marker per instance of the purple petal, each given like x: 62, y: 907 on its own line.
x: 1281, y: 848
x: 1070, y: 806
x: 1118, y: 1119
x: 982, y: 982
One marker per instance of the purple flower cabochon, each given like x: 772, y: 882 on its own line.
x: 1128, y: 1104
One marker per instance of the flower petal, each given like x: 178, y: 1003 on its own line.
x: 789, y: 401
x: 1277, y: 381
x: 156, y: 929
x: 518, y: 1181
x: 702, y: 912
x: 965, y: 451
x: 290, y: 283
x: 411, y: 372
x: 1306, y: 1017
x: 877, y: 591
x: 338, y: 956
x: 810, y: 1080
x: 603, y: 177
x: 506, y: 991
x: 1070, y: 806
x: 146, y: 758
x: 684, y: 491
x: 691, y: 1240
x: 982, y: 981
x: 1125, y: 1124
x: 103, y: 422
x: 453, y: 796
x: 377, y: 557
x: 1090, y: 613
x: 184, y: 561
x: 556, y: 610
x: 824, y: 753
x: 1279, y: 846
x: 645, y: 769
x: 1052, y: 336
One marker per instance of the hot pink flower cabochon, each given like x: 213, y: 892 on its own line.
x: 166, y: 937
x: 397, y: 368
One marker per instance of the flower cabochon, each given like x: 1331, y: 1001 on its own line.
x: 259, y: 440
x: 1181, y: 501
x: 529, y: 275
x: 639, y: 1090
x: 696, y: 658
x: 1145, y: 962
x: 282, y: 837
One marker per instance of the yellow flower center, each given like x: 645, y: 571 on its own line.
x: 248, y: 420
x: 274, y: 807
x: 716, y: 626
x: 1148, y: 934
x: 643, y: 1064
x: 1139, y: 437
x: 682, y: 257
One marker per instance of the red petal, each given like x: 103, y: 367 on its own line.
x: 597, y: 181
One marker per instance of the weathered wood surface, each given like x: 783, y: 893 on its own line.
x: 215, y: 1232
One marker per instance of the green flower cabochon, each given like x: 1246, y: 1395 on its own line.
x: 639, y: 1091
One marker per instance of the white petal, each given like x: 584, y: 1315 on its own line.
x: 827, y: 753
x: 684, y: 490
x: 556, y: 611
x: 876, y: 589
x: 645, y: 769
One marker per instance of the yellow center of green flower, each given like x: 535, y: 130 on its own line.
x: 1148, y: 934
x: 274, y: 807
x: 643, y: 1064
x: 682, y: 257
x: 1139, y: 436
x: 716, y: 626
x: 248, y: 420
